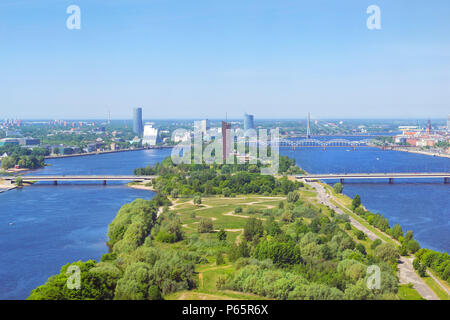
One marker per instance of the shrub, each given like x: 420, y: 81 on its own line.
x: 164, y: 236
x: 197, y: 200
x: 222, y: 235
x: 219, y: 259
x: 360, y: 235
x: 292, y: 197
x: 360, y: 247
x: 375, y: 244
x: 205, y: 226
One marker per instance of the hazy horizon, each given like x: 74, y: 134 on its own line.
x: 202, y: 59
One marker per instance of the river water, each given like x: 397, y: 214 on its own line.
x: 43, y: 227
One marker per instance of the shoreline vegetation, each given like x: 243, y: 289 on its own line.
x: 420, y: 258
x: 427, y: 153
x: 226, y: 232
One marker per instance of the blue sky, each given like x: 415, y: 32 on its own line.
x: 202, y: 58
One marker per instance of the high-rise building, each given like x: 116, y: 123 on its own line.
x: 226, y: 145
x: 137, y: 122
x: 248, y: 122
x: 448, y: 123
x: 203, y: 125
x: 150, y: 137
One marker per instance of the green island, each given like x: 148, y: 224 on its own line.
x: 228, y: 232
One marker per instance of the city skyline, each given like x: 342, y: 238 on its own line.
x: 291, y: 57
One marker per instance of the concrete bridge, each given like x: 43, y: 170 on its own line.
x: 104, y: 179
x: 389, y: 176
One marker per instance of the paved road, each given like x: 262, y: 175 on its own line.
x: 406, y: 270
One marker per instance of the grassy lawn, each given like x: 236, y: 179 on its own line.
x: 445, y: 283
x: 406, y: 292
x: 436, y: 288
x: 206, y: 285
x: 221, y: 211
x: 218, y: 209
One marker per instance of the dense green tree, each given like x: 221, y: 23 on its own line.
x: 135, y: 283
x: 387, y: 252
x: 96, y: 283
x: 280, y: 253
x: 412, y: 246
x: 253, y: 229
x: 356, y: 202
x: 338, y: 187
x: 396, y: 231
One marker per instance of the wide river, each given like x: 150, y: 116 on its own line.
x: 44, y: 226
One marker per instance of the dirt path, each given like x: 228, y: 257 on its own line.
x: 406, y: 271
x: 408, y: 275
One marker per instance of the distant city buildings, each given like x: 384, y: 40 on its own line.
x: 448, y: 123
x: 137, y: 122
x: 416, y: 137
x: 181, y: 137
x: 248, y: 122
x: 25, y: 142
x: 202, y: 125
x: 150, y: 135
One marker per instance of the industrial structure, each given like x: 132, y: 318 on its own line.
x: 308, y: 128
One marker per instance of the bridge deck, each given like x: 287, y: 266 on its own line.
x: 84, y: 178
x: 406, y: 175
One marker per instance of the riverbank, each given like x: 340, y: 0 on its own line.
x: 430, y: 287
x: 140, y: 186
x: 95, y: 153
x: 427, y: 153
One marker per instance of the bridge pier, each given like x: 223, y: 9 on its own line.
x: 342, y: 181
x: 446, y: 180
x: 104, y: 182
x: 55, y: 183
x: 391, y: 180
